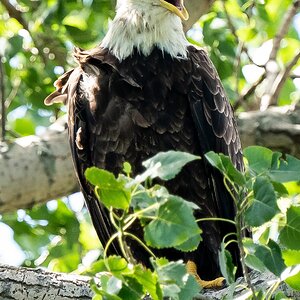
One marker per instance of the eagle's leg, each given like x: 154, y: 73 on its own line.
x: 211, y: 284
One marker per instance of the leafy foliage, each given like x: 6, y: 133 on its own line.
x: 36, y: 41
x: 262, y: 204
x: 168, y: 222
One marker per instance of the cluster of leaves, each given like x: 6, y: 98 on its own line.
x: 167, y: 220
x: 260, y: 197
x: 264, y: 199
x: 52, y: 236
x: 36, y: 39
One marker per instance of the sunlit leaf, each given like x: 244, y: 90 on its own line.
x: 290, y: 234
x: 166, y: 165
x: 112, y: 192
x: 174, y: 225
x: 291, y: 258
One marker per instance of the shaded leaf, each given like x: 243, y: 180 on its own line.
x: 227, y: 267
x: 271, y: 257
x: 264, y: 206
x: 224, y: 164
x: 286, y: 170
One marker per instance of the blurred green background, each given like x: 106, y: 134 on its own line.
x: 36, y: 41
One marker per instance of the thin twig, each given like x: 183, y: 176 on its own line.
x: 274, y: 79
x: 18, y: 15
x: 233, y: 31
x: 287, y: 19
x: 2, y: 97
x: 239, y: 235
x: 249, y: 92
x: 281, y: 79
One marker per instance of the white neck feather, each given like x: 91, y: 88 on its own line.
x: 135, y: 27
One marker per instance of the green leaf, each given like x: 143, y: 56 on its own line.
x: 174, y: 225
x: 251, y: 260
x: 111, y: 191
x: 190, y: 289
x: 75, y: 20
x: 224, y: 164
x: 264, y: 206
x: 166, y: 165
x: 131, y: 290
x: 259, y: 158
x: 286, y: 170
x: 24, y: 126
x: 127, y: 168
x: 291, y: 258
x: 175, y: 281
x: 227, y: 267
x: 191, y: 244
x: 215, y: 160
x: 149, y: 281
x: 290, y: 234
x: 271, y: 257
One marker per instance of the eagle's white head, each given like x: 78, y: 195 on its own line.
x: 144, y: 24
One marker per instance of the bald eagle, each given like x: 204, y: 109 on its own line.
x: 144, y: 90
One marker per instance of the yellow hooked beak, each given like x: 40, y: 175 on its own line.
x: 179, y: 10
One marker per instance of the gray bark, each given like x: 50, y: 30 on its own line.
x: 37, y: 169
x: 28, y: 284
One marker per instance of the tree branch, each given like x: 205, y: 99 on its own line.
x: 18, y: 15
x: 2, y: 99
x: 23, y: 283
x: 288, y: 17
x: 274, y: 81
x: 37, y: 169
x: 282, y: 77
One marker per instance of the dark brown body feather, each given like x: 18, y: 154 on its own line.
x: 131, y: 110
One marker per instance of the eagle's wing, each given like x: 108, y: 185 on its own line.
x: 212, y: 112
x: 81, y: 122
x: 217, y: 131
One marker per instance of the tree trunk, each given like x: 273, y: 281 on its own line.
x: 37, y: 169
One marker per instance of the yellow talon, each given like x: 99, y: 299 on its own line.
x: 211, y: 284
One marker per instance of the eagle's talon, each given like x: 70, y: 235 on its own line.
x: 217, y: 283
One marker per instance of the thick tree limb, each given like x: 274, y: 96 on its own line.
x: 34, y: 169
x: 277, y: 128
x: 24, y: 284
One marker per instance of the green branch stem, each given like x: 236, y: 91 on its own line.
x: 239, y: 235
x: 140, y: 242
x: 216, y: 219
